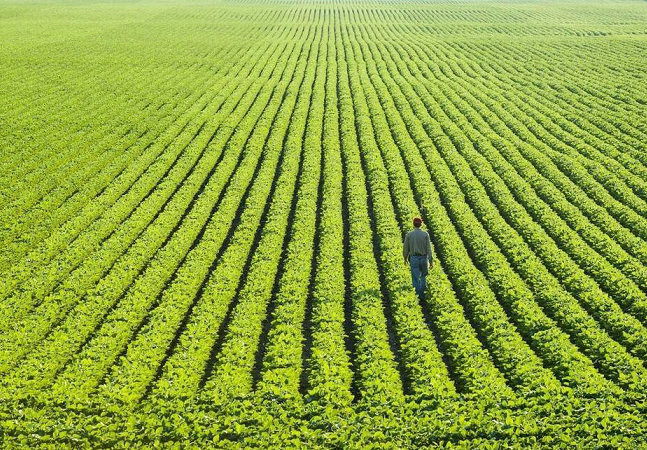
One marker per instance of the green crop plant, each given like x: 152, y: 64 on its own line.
x: 203, y: 206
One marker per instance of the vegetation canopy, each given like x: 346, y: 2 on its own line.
x: 202, y: 208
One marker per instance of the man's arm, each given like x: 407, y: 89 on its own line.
x: 430, y: 256
x: 405, y: 249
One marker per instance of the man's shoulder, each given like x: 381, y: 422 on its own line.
x: 418, y: 231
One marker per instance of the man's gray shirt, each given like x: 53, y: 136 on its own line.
x: 417, y: 242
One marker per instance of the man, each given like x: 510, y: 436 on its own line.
x: 417, y: 253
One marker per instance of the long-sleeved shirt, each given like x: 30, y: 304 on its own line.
x: 417, y: 242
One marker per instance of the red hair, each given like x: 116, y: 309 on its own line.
x: 417, y: 222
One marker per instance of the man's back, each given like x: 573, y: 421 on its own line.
x: 417, y: 242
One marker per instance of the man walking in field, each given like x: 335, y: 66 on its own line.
x: 417, y: 253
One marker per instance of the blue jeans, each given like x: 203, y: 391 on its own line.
x: 419, y: 272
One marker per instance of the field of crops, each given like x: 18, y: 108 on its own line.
x: 203, y: 204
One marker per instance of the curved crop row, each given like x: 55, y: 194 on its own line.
x: 167, y: 285
x: 502, y: 280
x: 522, y: 256
x: 232, y: 375
x: 158, y: 234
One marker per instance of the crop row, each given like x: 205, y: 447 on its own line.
x: 148, y: 199
x: 153, y: 310
x: 236, y: 233
x: 484, y: 258
x: 624, y: 291
x: 506, y: 236
x: 62, y: 203
x: 160, y: 234
x: 99, y: 218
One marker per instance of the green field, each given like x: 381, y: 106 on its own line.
x: 202, y: 208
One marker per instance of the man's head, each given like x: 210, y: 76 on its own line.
x: 417, y: 222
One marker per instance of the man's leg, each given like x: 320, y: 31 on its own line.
x: 424, y: 269
x: 415, y: 273
x: 419, y: 288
